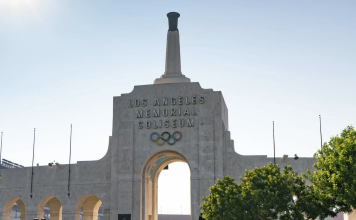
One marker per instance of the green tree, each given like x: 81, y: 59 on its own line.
x: 272, y: 194
x: 264, y: 193
x: 312, y: 206
x: 224, y: 201
x: 335, y: 177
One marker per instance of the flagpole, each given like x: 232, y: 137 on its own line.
x: 70, y: 155
x: 321, y: 138
x: 33, y: 158
x: 274, y: 147
x: 1, y: 148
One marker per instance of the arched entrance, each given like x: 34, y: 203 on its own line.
x: 55, y: 207
x: 91, y: 205
x: 174, y: 190
x: 9, y: 205
x: 150, y: 173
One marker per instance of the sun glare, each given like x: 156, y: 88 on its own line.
x: 18, y: 6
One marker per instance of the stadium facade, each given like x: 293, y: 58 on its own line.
x: 171, y: 120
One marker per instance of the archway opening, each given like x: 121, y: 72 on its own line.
x: 50, y: 208
x: 151, y: 171
x: 47, y: 212
x: 174, y: 191
x: 14, y: 210
x: 89, y: 207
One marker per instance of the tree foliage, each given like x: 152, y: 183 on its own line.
x: 271, y: 193
x: 268, y: 193
x: 224, y: 201
x: 264, y: 193
x: 335, y: 177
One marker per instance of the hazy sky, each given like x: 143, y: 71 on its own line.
x: 62, y: 61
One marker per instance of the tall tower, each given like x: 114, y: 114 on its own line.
x: 173, y: 73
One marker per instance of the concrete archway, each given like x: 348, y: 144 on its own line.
x: 55, y: 207
x: 90, y: 204
x: 8, y: 206
x: 150, y: 173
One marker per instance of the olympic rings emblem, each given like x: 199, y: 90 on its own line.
x: 165, y: 137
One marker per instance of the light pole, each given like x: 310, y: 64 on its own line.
x: 321, y: 137
x: 274, y: 147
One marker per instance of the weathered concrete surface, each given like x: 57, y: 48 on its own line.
x: 173, y: 217
x: 173, y: 73
x: 124, y: 180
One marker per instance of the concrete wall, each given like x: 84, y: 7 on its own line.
x: 87, y: 178
x: 173, y: 217
x: 119, y: 181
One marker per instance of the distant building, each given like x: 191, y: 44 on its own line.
x: 6, y: 164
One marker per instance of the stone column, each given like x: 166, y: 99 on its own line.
x: 136, y: 209
x: 195, y: 199
x: 106, y: 213
x: 125, y: 161
x: 68, y: 215
x: 68, y: 208
x: 173, y: 73
x: 173, y: 67
x: 30, y: 216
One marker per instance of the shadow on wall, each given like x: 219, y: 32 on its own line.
x: 173, y: 217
